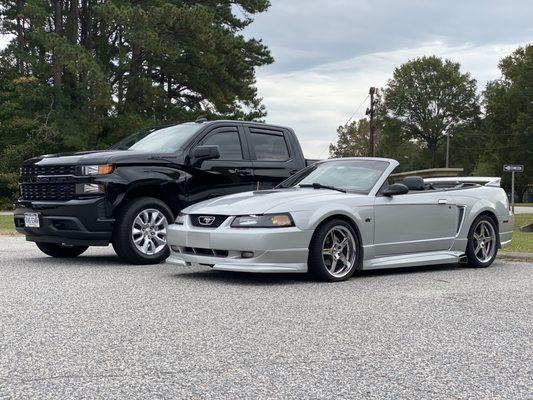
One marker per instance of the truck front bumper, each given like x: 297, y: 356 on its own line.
x: 80, y: 222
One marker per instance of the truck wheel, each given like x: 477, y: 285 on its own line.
x: 140, y: 234
x: 61, y: 251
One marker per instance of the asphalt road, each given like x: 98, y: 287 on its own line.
x: 96, y: 328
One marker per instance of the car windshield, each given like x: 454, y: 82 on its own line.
x: 167, y: 140
x: 350, y: 175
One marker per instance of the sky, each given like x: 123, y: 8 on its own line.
x: 329, y: 53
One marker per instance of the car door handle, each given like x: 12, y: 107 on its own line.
x: 442, y: 202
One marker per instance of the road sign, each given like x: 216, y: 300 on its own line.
x: 513, y: 168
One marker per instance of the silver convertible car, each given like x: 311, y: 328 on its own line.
x: 341, y: 215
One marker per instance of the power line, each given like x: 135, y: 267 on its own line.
x: 346, y: 123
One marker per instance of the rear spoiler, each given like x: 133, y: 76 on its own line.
x: 481, y: 180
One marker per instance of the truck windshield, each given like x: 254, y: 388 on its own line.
x: 167, y: 140
x: 358, y: 176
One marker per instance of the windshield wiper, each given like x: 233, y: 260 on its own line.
x: 320, y: 186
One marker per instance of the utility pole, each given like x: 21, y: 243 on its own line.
x: 372, y: 113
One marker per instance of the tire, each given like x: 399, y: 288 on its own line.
x: 482, y: 246
x: 327, y: 260
x: 135, y: 227
x: 61, y: 251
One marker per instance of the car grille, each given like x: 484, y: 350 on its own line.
x: 202, y: 220
x: 47, y: 182
x: 205, y: 252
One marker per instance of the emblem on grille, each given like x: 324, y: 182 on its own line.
x: 205, y: 220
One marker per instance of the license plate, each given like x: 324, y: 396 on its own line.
x: 31, y: 220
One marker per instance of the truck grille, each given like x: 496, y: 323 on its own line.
x: 47, y: 191
x: 35, y: 170
x: 47, y: 182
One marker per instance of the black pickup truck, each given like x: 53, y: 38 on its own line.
x: 127, y: 195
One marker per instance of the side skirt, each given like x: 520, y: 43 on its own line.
x: 414, y: 260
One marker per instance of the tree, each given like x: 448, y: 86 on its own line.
x: 353, y: 140
x: 509, y: 119
x: 393, y: 143
x: 429, y: 98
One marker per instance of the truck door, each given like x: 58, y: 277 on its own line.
x: 231, y: 173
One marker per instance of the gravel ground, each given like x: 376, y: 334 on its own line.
x: 96, y: 328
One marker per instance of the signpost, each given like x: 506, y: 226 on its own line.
x: 512, y: 169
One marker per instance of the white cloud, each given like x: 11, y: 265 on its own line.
x: 317, y: 100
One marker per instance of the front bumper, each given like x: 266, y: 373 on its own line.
x: 274, y: 249
x: 80, y: 222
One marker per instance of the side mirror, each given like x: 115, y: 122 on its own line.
x: 203, y: 153
x: 395, y: 189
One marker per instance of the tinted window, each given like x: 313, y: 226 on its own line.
x: 229, y: 145
x: 270, y: 147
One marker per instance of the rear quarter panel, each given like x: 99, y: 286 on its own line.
x: 477, y: 201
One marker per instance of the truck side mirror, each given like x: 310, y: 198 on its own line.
x: 203, y: 153
x: 395, y: 189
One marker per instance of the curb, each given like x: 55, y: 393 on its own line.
x: 527, y: 257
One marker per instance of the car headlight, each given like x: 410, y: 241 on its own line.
x: 263, y: 221
x: 181, y: 219
x: 97, y: 169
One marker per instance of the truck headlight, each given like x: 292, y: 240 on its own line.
x: 263, y: 221
x: 97, y: 169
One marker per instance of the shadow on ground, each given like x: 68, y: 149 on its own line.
x: 238, y: 278
x: 84, y: 261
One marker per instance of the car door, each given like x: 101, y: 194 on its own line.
x: 231, y: 173
x: 273, y: 158
x: 414, y: 222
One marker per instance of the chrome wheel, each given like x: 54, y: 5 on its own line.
x: 484, y: 241
x: 339, y: 251
x: 149, y: 231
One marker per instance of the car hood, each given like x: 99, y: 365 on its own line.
x: 101, y: 157
x: 260, y: 202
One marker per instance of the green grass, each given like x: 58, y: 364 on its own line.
x: 523, y: 204
x: 522, y: 241
x: 6, y: 225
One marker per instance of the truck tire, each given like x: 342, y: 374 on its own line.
x: 139, y: 236
x: 61, y: 251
